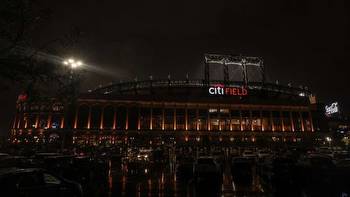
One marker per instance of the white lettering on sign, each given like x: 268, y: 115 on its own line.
x: 220, y: 89
x: 331, y: 109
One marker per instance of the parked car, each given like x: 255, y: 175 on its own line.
x: 242, y: 170
x: 206, y: 167
x: 248, y: 154
x: 144, y: 155
x: 184, y: 167
x: 207, y: 175
x: 263, y: 153
x: 36, y: 182
x: 3, y: 155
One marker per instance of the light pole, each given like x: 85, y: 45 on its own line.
x: 72, y: 64
x: 71, y: 95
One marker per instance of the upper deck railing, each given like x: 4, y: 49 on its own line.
x: 123, y: 87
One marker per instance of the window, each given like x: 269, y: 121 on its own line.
x: 49, y: 179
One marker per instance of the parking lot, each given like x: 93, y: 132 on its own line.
x: 187, y: 171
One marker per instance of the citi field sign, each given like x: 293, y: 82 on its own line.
x: 220, y: 89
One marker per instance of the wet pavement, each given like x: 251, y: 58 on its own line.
x: 168, y: 180
x: 176, y: 178
x: 175, y: 172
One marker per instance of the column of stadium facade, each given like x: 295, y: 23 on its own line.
x: 16, y: 120
x: 272, y: 122
x: 208, y: 122
x: 186, y: 118
x: 138, y: 119
x: 49, y: 120
x: 76, y: 118
x: 251, y: 120
x: 62, y: 122
x: 174, y: 119
x: 89, y: 118
x: 219, y: 118
x: 19, y: 117
x: 261, y: 121
x: 114, y: 118
x: 36, y: 120
x: 302, y: 121
x: 151, y: 119
x: 25, y: 121
x: 197, y: 121
x: 291, y: 121
x: 311, y: 121
x: 240, y: 120
x: 127, y: 119
x: 102, y: 117
x: 22, y: 121
x: 163, y: 118
x: 282, y: 120
x: 230, y: 120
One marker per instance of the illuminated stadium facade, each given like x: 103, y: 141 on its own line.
x: 177, y: 108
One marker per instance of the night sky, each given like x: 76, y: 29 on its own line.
x: 301, y: 41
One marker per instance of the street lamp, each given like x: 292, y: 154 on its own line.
x: 71, y: 89
x: 72, y: 63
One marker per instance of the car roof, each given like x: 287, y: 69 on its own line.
x: 7, y: 171
x: 47, y: 154
x: 205, y: 157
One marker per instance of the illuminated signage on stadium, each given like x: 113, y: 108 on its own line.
x: 220, y: 89
x: 331, y: 109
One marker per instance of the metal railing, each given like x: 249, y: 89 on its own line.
x: 154, y: 84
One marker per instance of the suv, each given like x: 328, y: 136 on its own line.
x: 36, y: 182
x: 206, y: 167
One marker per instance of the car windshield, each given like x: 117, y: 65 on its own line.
x: 50, y: 179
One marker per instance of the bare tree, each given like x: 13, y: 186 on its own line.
x: 28, y: 65
x: 35, y: 69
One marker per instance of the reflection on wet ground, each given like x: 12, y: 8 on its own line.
x: 238, y: 176
x: 192, y: 172
x: 172, y: 180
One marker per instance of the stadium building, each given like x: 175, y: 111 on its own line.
x: 182, y: 109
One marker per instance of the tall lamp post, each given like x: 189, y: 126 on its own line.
x: 70, y: 97
x: 72, y: 64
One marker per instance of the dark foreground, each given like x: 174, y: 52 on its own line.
x: 178, y: 171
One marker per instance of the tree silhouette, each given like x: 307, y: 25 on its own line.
x: 24, y: 64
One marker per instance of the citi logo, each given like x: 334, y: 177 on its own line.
x: 220, y: 89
